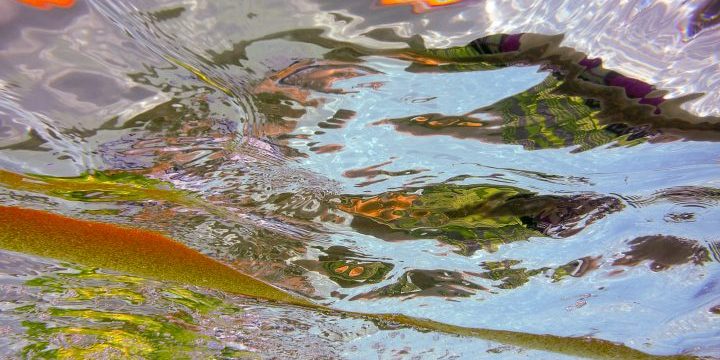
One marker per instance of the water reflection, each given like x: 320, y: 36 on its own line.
x: 537, y: 119
x: 705, y: 15
x: 419, y: 6
x: 346, y: 151
x: 447, y: 284
x: 663, y: 252
x: 348, y: 268
x: 78, y: 312
x: 478, y: 217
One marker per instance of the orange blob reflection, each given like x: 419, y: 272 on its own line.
x: 384, y: 208
x: 48, y: 4
x: 356, y: 271
x: 419, y: 6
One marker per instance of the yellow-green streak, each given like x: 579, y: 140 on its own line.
x: 125, y: 249
x: 103, y: 187
x: 201, y: 76
x: 97, y: 187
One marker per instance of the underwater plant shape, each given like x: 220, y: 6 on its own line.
x: 416, y: 283
x: 576, y: 268
x: 137, y: 334
x: 101, y: 186
x: 155, y: 256
x: 509, y: 277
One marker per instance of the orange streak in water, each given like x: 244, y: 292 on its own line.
x: 419, y: 6
x: 379, y: 207
x: 48, y: 4
x: 130, y: 250
x: 356, y: 271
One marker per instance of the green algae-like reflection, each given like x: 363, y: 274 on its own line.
x: 97, y: 187
x: 347, y: 268
x: 74, y: 328
x: 107, y: 187
x: 539, y: 118
x: 542, y: 118
x: 426, y: 283
x: 477, y: 217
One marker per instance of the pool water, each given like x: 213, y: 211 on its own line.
x: 537, y: 167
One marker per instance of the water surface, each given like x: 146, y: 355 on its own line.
x: 331, y: 148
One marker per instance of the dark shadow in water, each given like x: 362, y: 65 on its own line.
x: 690, y: 196
x: 691, y: 199
x: 338, y: 120
x: 369, y: 173
x: 663, y: 251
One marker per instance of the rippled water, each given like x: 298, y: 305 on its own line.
x: 565, y: 181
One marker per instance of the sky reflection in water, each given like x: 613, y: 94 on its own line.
x: 327, y: 151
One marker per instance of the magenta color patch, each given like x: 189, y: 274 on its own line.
x: 511, y: 43
x: 633, y: 88
x: 589, y: 63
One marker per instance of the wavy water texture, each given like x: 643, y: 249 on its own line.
x: 74, y: 311
x: 662, y: 42
x: 541, y: 175
x: 145, y: 253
